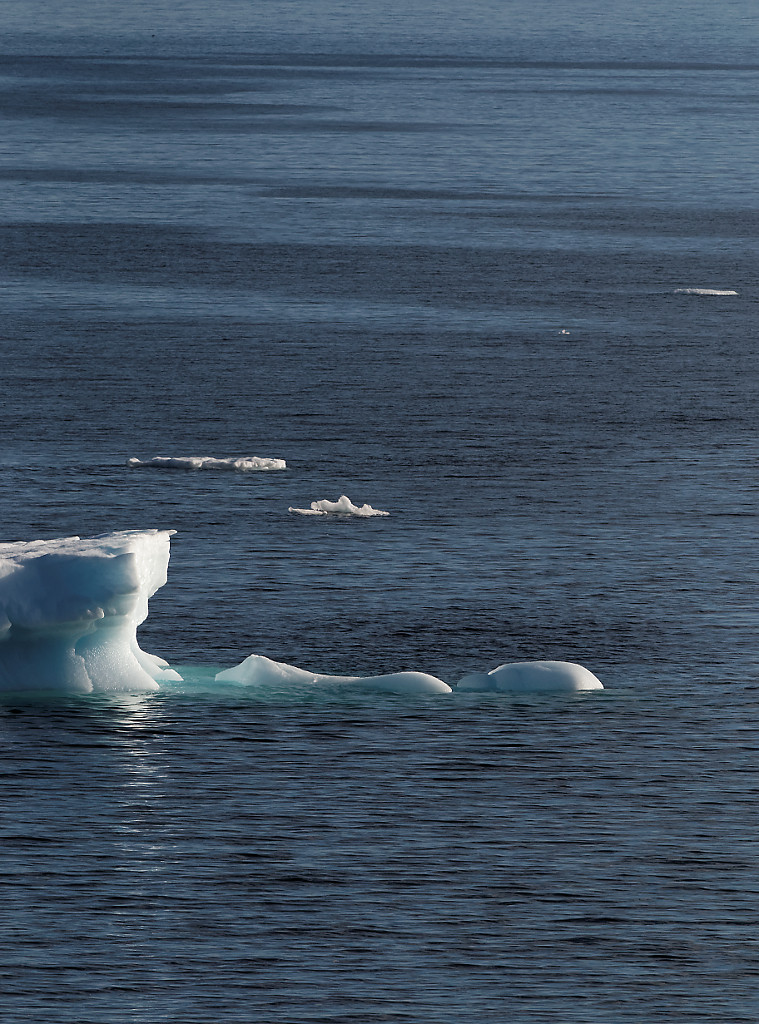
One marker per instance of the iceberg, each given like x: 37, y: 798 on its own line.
x: 70, y: 608
x: 342, y: 507
x: 533, y: 677
x: 260, y: 671
x: 243, y: 464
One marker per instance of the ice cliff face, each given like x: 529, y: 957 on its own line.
x: 70, y: 608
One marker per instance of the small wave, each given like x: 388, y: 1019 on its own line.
x: 342, y: 507
x: 244, y: 464
x: 704, y: 291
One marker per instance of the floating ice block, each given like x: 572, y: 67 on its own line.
x: 243, y: 464
x: 342, y: 507
x: 70, y: 608
x: 533, y: 677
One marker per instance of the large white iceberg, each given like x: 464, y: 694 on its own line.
x: 259, y: 671
x: 342, y: 507
x: 242, y: 464
x: 533, y: 677
x: 70, y: 608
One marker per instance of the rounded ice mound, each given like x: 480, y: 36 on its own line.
x: 260, y: 671
x: 70, y: 608
x: 342, y: 507
x: 533, y: 677
x: 242, y: 464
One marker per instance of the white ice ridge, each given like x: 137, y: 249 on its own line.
x: 520, y: 677
x: 704, y: 291
x: 342, y: 507
x: 70, y: 608
x: 533, y: 677
x: 243, y: 464
x: 259, y: 671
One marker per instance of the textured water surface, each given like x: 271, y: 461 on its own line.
x: 447, y: 263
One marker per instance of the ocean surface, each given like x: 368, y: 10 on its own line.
x: 491, y: 268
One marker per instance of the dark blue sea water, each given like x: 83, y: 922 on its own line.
x: 438, y: 259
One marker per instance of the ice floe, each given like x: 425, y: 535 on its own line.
x: 533, y: 677
x: 260, y: 671
x: 705, y: 291
x: 342, y: 507
x: 242, y: 464
x: 519, y: 677
x: 70, y: 608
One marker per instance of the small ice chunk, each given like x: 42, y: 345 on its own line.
x: 242, y: 464
x: 260, y: 671
x: 533, y: 677
x: 342, y: 507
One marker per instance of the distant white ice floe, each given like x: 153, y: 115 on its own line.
x: 342, y: 507
x: 533, y: 677
x: 259, y: 671
x: 243, y: 464
x: 705, y: 291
